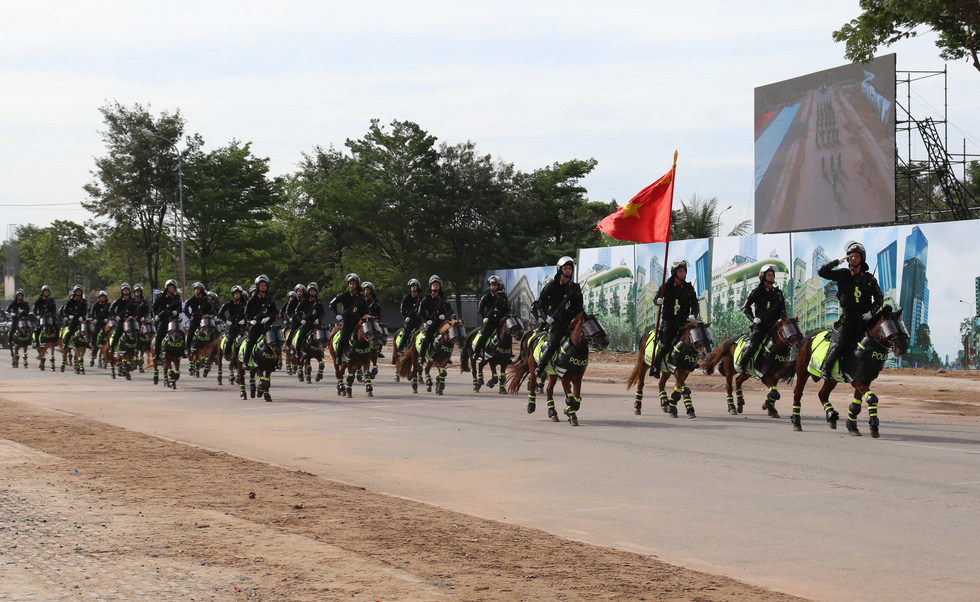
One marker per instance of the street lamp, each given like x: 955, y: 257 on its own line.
x: 180, y: 194
x: 718, y: 228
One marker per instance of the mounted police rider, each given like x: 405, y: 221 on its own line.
x: 215, y: 305
x: 123, y: 308
x: 260, y: 310
x: 44, y: 306
x: 74, y: 311
x: 679, y: 305
x: 860, y: 298
x: 410, y: 309
x: 290, y: 312
x: 289, y: 308
x: 165, y: 307
x: 763, y: 307
x: 559, y: 302
x: 233, y: 313
x: 18, y: 310
x: 435, y: 310
x: 309, y: 310
x: 493, y: 307
x: 142, y: 305
x: 349, y: 307
x: 195, y: 308
x: 373, y: 305
x: 100, y: 313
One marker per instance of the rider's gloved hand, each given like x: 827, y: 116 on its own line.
x: 253, y: 322
x: 756, y: 321
x: 691, y: 318
x: 867, y: 316
x: 485, y: 320
x: 659, y: 301
x: 265, y: 320
x: 842, y: 259
x: 442, y: 317
x: 301, y: 322
x: 550, y: 320
x: 428, y: 323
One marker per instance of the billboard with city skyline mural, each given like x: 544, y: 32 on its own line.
x: 931, y: 271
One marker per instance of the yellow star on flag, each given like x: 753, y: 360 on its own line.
x: 632, y: 209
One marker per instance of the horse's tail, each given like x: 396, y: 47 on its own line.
x: 466, y: 353
x: 519, y: 370
x: 791, y: 370
x: 406, y: 361
x: 708, y: 364
x: 640, y: 365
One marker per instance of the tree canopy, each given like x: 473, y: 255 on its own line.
x: 884, y: 22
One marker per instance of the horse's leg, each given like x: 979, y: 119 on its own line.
x: 494, y: 379
x: 251, y: 381
x: 428, y: 377
x: 730, y: 380
x: 664, y: 400
x: 644, y: 367
x: 824, y: 396
x: 550, y: 386
x: 175, y: 373
x: 502, y: 384
x: 685, y: 392
x: 351, y: 375
x: 862, y: 392
x: 241, y: 381
x: 308, y: 367
x: 769, y: 380
x: 368, y: 379
x: 532, y: 384
x: 440, y: 380
x: 266, y: 383
x: 319, y: 372
x: 572, y: 401
x: 476, y: 369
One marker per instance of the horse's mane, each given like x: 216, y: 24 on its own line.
x: 446, y: 326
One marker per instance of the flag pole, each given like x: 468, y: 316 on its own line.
x: 663, y: 278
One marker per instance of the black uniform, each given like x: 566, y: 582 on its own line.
x: 100, y: 313
x: 142, y: 307
x: 410, y: 309
x: 562, y: 302
x: 859, y: 294
x: 44, y: 306
x: 72, y: 311
x: 18, y: 310
x: 353, y: 307
x: 765, y: 302
x: 232, y: 312
x: 166, y: 306
x: 195, y: 307
x: 308, y: 311
x: 430, y: 309
x: 289, y: 311
x: 493, y: 307
x: 680, y: 302
x: 123, y: 308
x: 260, y: 310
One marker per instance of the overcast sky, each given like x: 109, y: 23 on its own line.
x: 532, y: 83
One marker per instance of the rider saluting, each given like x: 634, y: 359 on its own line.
x: 860, y: 298
x: 352, y: 307
x: 493, y: 307
x: 560, y: 302
x: 165, y: 307
x: 679, y: 305
x: 434, y: 310
x: 763, y: 307
x: 260, y: 310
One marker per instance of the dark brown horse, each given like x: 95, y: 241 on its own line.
x: 172, y: 348
x: 858, y: 366
x: 123, y: 353
x: 568, y: 365
x: 362, y: 352
x: 692, y: 346
x: 266, y: 356
x: 774, y: 353
x: 497, y: 353
x: 411, y: 366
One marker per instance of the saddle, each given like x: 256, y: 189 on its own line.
x: 680, y: 355
x: 865, y: 362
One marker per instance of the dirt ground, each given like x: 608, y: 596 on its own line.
x: 92, y: 510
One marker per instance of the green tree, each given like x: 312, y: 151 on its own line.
x: 923, y: 337
x: 228, y: 197
x: 59, y: 255
x: 699, y: 218
x: 136, y: 183
x: 884, y: 22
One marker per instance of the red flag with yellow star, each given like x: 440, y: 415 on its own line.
x: 646, y: 218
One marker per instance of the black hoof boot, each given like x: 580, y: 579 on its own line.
x: 797, y: 423
x: 852, y: 428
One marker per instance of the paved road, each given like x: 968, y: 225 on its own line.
x: 818, y: 513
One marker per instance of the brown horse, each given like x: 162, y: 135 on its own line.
x: 300, y: 354
x: 73, y: 351
x: 266, y: 357
x: 48, y: 340
x: 497, y: 353
x: 363, y: 351
x: 859, y: 367
x: 123, y: 353
x: 411, y: 366
x: 204, y: 349
x: 172, y: 348
x: 692, y: 346
x: 20, y: 340
x: 774, y: 353
x: 568, y: 364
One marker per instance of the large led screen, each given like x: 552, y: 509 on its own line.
x: 825, y: 149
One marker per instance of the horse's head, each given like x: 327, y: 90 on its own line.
x: 454, y: 332
x: 130, y: 328
x: 86, y: 330
x: 369, y: 330
x: 26, y: 325
x: 512, y: 325
x: 148, y: 328
x: 786, y: 333
x: 207, y: 326
x: 274, y: 338
x: 888, y: 329
x: 321, y: 335
x: 587, y: 328
x: 696, y: 335
x: 46, y: 323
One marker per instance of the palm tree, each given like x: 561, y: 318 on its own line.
x: 699, y: 218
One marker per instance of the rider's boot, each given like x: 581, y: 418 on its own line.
x: 542, y: 368
x: 655, y: 366
x: 743, y: 362
x: 248, y: 355
x: 833, y: 354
